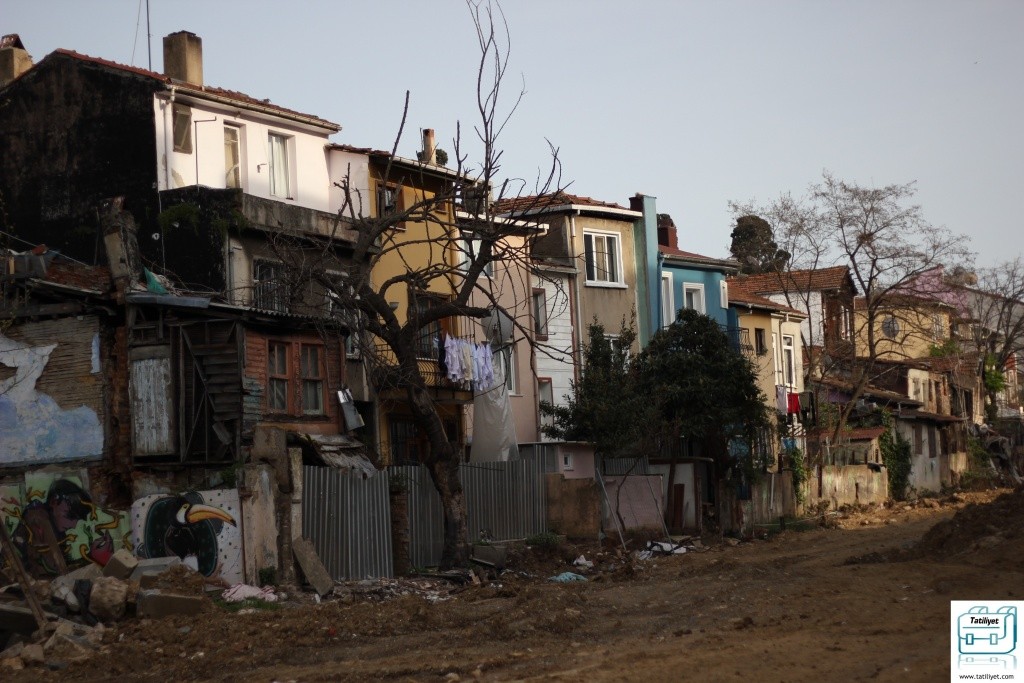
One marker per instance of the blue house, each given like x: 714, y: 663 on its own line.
x: 675, y: 279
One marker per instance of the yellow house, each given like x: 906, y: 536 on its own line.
x: 419, y: 262
x: 903, y: 327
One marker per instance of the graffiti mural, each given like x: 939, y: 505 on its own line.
x: 56, y: 526
x: 200, y: 527
x: 33, y: 427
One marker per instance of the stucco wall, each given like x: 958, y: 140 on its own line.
x: 612, y: 304
x: 848, y: 485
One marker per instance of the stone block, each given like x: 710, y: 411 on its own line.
x: 312, y: 568
x: 108, y: 598
x: 154, y: 603
x: 153, y: 566
x: 33, y: 654
x: 121, y: 564
x: 88, y: 572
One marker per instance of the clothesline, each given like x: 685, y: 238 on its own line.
x: 464, y: 362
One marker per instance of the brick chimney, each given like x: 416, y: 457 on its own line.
x: 429, y: 153
x: 667, y: 231
x: 14, y: 59
x: 183, y: 57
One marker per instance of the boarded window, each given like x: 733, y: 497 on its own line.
x: 152, y: 400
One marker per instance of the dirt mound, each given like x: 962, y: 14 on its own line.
x: 181, y: 580
x: 990, y: 532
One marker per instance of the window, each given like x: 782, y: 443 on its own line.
x: 540, y: 314
x: 601, y: 251
x: 844, y: 322
x: 280, y: 171
x: 723, y: 294
x: 270, y: 286
x: 668, y: 300
x: 428, y: 335
x: 404, y: 441
x: 788, y: 360
x: 232, y: 157
x: 182, y: 129
x: 508, y: 355
x: 545, y: 394
x: 760, y: 343
x: 938, y: 329
x: 311, y: 370
x: 469, y: 249
x: 693, y: 297
x: 567, y: 462
x: 890, y: 327
x: 387, y: 199
x: 277, y: 377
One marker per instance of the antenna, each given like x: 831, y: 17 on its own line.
x: 149, y: 38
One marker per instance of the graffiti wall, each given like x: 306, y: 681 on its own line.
x: 56, y: 526
x: 200, y: 527
x: 34, y: 428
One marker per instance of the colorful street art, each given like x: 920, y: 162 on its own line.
x: 56, y: 526
x: 33, y: 427
x: 200, y: 527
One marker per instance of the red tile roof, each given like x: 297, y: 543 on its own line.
x: 552, y: 200
x: 62, y: 271
x: 239, y: 97
x: 817, y: 279
x: 691, y: 256
x: 742, y: 297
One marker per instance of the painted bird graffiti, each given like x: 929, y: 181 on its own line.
x: 184, y: 526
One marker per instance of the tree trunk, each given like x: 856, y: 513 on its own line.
x: 443, y: 464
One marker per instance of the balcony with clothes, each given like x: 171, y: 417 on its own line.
x: 448, y: 358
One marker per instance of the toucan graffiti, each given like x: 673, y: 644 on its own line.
x: 54, y: 510
x: 200, y: 527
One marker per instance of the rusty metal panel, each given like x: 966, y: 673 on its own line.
x: 151, y: 391
x: 348, y: 519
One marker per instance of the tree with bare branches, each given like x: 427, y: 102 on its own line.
x: 884, y: 242
x: 418, y: 252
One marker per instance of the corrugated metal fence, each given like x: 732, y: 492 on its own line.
x: 349, y: 518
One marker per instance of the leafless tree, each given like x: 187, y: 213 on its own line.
x: 886, y: 243
x: 453, y: 221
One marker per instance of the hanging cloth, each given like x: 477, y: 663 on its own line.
x: 794, y: 404
x: 781, y: 402
x: 453, y: 358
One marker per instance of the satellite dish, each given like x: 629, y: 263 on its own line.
x: 497, y: 326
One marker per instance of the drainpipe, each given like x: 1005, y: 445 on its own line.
x: 168, y: 111
x: 576, y: 286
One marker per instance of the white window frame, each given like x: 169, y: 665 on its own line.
x: 567, y: 465
x: 504, y: 357
x: 668, y: 299
x: 789, y: 360
x: 279, y: 165
x: 695, y: 287
x: 236, y: 170
x: 546, y: 396
x: 616, y: 279
x: 469, y: 247
x: 723, y: 294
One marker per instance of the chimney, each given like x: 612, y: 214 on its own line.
x: 183, y: 57
x: 14, y: 59
x: 667, y: 231
x: 429, y: 153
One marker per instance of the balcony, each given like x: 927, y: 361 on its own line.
x: 739, y: 340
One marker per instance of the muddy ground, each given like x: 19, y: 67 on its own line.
x: 865, y: 599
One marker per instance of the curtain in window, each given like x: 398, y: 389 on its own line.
x: 278, y: 166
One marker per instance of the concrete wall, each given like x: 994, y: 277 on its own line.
x: 640, y: 505
x: 847, y: 485
x: 573, y: 506
x: 685, y: 475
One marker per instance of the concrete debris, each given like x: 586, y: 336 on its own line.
x: 379, y: 590
x: 108, y: 598
x: 121, y: 565
x: 156, y: 603
x: 33, y: 654
x: 567, y: 577
x: 153, y: 567
x: 489, y: 555
x: 241, y: 591
x: 13, y: 650
x: 312, y: 568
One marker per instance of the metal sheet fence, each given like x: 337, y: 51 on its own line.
x: 349, y: 518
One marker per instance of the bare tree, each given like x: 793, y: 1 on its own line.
x: 886, y: 244
x: 436, y: 244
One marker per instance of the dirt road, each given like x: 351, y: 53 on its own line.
x: 793, y: 608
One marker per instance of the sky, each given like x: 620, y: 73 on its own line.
x: 695, y: 103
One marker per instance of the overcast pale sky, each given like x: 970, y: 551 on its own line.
x: 696, y: 103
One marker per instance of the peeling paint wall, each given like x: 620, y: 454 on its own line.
x: 848, y: 485
x: 51, y: 397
